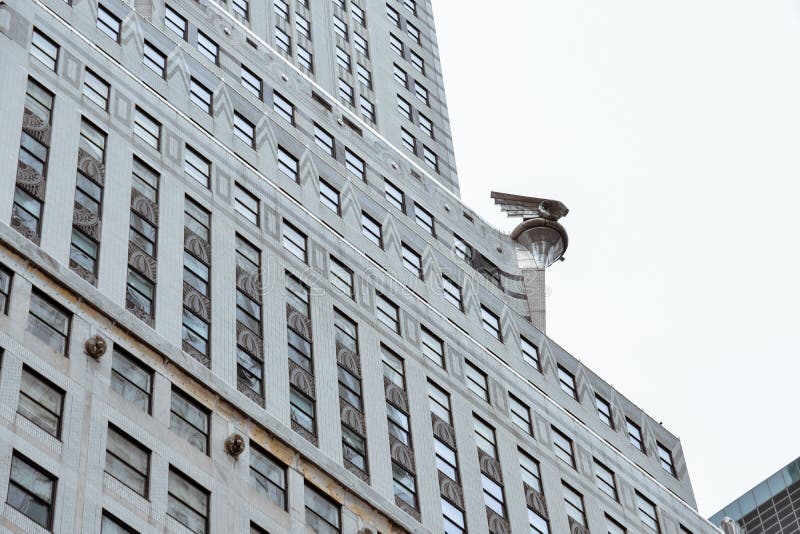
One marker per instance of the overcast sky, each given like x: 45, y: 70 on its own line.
x: 672, y: 131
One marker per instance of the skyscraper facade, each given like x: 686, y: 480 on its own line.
x: 772, y: 506
x: 239, y: 291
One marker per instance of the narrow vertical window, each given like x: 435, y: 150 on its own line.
x: 197, y: 282
x: 44, y: 49
x: 190, y: 420
x: 246, y: 204
x: 187, y: 502
x: 31, y: 490
x: 131, y: 379
x: 268, y: 476
x: 249, y: 338
x: 40, y: 402
x: 49, y: 322
x: 567, y: 382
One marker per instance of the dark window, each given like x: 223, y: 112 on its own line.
x: 131, y: 379
x: 189, y: 419
x: 567, y: 382
x: 187, y: 502
x: 268, y: 475
x: 5, y: 288
x: 31, y: 490
x: 127, y: 461
x: 108, y: 23
x: 49, y: 322
x: 40, y: 402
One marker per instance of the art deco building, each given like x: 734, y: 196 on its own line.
x: 239, y: 292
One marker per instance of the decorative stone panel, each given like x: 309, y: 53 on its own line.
x: 301, y: 379
x: 196, y: 302
x: 352, y: 418
x: 443, y: 431
x: 298, y: 322
x: 36, y: 127
x: 577, y: 528
x: 30, y: 181
x: 490, y: 467
x: 248, y: 283
x: 143, y: 263
x: 86, y: 220
x: 198, y: 247
x: 402, y: 454
x: 145, y: 207
x: 535, y: 501
x: 395, y: 395
x: 91, y: 167
x: 497, y: 524
x: 348, y: 359
x: 451, y: 490
x: 249, y: 340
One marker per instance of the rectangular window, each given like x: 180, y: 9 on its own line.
x: 360, y: 44
x: 176, y: 22
x: 393, y: 15
x: 328, y: 196
x: 246, y: 204
x: 322, y: 514
x: 647, y: 512
x: 574, y: 502
x: 563, y: 448
x: 341, y: 277
x: 371, y: 229
x: 343, y: 59
x: 440, y: 403
x: 154, y: 59
x: 108, y: 23
x: 294, y: 241
x: 388, y: 312
x: 281, y: 9
x: 477, y: 381
x: 404, y: 108
x: 432, y: 347
x: 49, y: 322
x: 567, y: 382
x: 253, y: 83
x: 355, y: 165
x: 411, y: 6
x: 603, y: 410
x: 424, y: 219
x: 635, y: 434
x: 96, y: 89
x: 412, y: 261
x: 408, y: 140
x: 396, y: 44
x: 520, y: 414
x: 44, y: 49
x: 200, y: 95
x: 426, y: 125
x: 127, y: 461
x: 305, y: 59
x: 461, y: 249
x: 5, y: 288
x: 241, y: 8
x: 31, y: 490
x: 187, y: 502
x: 131, y: 379
x: 147, y: 128
x: 665, y: 457
x: 302, y: 25
x: 244, y: 129
x: 613, y: 527
x: 400, y: 75
x: 605, y: 479
x: 346, y: 92
x: 358, y: 15
x: 417, y: 61
x: 431, y: 159
x: 367, y: 109
x: 145, y: 181
x: 394, y: 195
x: 197, y: 167
x: 340, y: 27
x: 283, y: 107
x: 141, y: 294
x: 111, y: 525
x: 491, y: 322
x: 301, y: 410
x: 530, y: 353
x: 324, y: 140
x: 421, y: 93
x: 405, y: 485
x: 207, y: 47
x: 268, y: 476
x: 364, y: 75
x: 288, y: 164
x: 529, y: 469
x: 283, y: 41
x: 452, y: 292
x: 40, y: 402
x: 413, y: 32
x: 190, y: 420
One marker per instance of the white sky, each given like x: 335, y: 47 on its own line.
x: 671, y: 130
